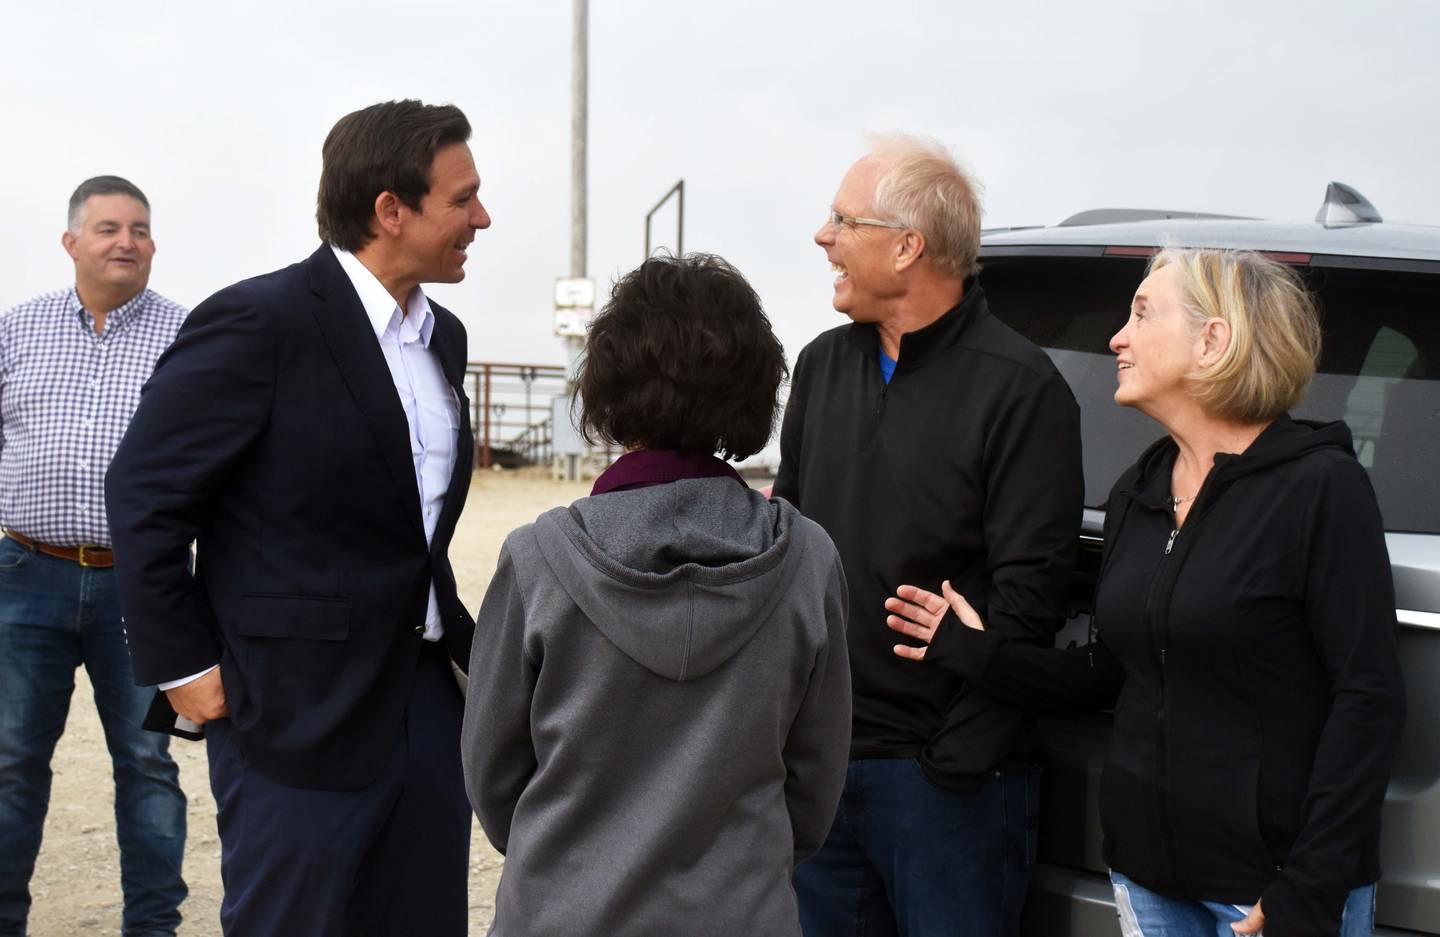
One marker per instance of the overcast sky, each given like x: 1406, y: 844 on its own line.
x: 218, y: 113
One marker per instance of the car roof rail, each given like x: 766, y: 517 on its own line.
x: 1124, y: 215
x: 1017, y: 227
x: 1345, y: 206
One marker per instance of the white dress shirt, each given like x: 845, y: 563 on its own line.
x: 431, y: 407
x: 432, y: 410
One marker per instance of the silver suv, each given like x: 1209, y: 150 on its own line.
x: 1068, y: 289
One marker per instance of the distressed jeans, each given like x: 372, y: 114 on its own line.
x: 55, y: 616
x: 1144, y: 913
x: 909, y: 859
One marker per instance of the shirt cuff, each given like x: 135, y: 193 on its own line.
x: 176, y: 684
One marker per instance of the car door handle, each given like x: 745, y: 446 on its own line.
x: 1409, y: 616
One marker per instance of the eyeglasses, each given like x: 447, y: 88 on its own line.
x: 851, y: 221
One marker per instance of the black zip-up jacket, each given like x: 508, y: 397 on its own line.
x: 965, y: 467
x: 1253, y: 651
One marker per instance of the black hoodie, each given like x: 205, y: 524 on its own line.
x: 1259, y: 693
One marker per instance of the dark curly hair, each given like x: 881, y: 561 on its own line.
x: 682, y: 357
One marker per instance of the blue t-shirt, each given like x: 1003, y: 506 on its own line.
x: 887, y: 366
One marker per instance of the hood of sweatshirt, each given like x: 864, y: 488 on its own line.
x: 1284, y: 440
x: 677, y: 576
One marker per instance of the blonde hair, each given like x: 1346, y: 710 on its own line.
x: 1274, y: 330
x: 923, y: 187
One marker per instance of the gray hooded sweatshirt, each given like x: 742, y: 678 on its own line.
x: 658, y: 720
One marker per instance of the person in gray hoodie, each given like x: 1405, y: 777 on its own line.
x: 658, y: 721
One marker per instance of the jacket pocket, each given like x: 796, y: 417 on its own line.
x: 12, y: 555
x: 1215, y: 812
x: 314, y: 618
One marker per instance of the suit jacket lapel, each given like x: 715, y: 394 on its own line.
x: 447, y: 344
x: 357, y: 354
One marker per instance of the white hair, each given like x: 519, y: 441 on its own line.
x: 924, y: 187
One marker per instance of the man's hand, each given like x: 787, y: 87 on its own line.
x: 1252, y: 923
x: 200, y: 700
x: 917, y: 612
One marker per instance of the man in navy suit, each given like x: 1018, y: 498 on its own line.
x: 308, y: 432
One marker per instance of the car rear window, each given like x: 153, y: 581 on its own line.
x: 1379, y: 370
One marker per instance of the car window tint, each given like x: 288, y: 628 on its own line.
x: 1379, y: 370
x: 1380, y: 373
x: 1070, y: 306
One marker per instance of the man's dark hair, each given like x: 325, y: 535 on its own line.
x: 682, y: 357
x: 385, y: 147
x: 100, y: 185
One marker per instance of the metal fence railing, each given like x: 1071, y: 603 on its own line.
x: 510, y: 407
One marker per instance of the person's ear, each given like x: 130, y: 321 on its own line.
x: 1213, y: 341
x: 387, y: 213
x: 69, y: 242
x: 909, y: 248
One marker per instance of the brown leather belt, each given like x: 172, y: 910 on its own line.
x: 87, y: 555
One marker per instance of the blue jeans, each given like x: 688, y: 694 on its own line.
x: 1144, y: 913
x: 907, y: 858
x: 54, y: 616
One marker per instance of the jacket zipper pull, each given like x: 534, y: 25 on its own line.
x: 1170, y: 544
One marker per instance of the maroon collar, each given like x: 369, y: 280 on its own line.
x: 644, y: 468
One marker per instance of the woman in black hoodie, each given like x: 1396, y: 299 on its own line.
x: 1244, y: 624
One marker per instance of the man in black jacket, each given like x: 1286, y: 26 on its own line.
x: 932, y: 443
x: 308, y: 432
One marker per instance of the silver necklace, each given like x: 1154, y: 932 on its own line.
x: 1176, y: 500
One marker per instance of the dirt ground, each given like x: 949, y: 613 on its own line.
x: 76, y: 887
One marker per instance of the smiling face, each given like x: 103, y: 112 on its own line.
x: 860, y: 256
x: 434, y: 239
x: 112, y: 249
x: 1158, y: 347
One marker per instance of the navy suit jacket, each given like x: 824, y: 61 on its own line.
x: 271, y: 435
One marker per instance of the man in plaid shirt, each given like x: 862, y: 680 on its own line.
x: 72, y: 363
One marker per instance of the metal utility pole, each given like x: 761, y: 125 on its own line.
x: 578, y: 130
x: 575, y: 297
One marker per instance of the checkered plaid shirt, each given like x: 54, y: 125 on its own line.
x: 66, y: 396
